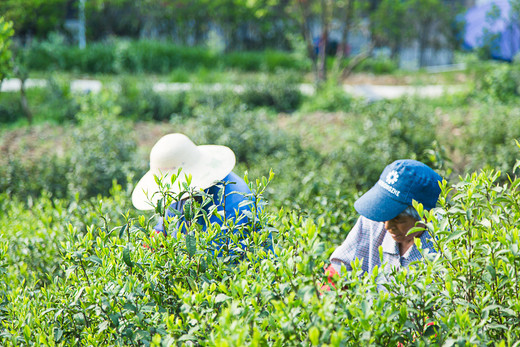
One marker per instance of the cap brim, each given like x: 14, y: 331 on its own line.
x: 216, y: 163
x: 378, y: 205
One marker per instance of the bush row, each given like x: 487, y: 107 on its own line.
x: 497, y: 81
x: 151, y: 57
x: 85, y: 161
x: 140, y: 102
x: 102, y: 287
x: 101, y: 147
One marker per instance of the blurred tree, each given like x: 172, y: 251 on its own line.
x: 184, y: 21
x: 245, y: 24
x: 107, y: 18
x: 515, y: 11
x: 34, y: 18
x: 432, y: 23
x: 387, y: 25
x: 6, y: 31
x: 253, y: 24
x: 344, y: 14
x: 350, y: 13
x: 13, y: 64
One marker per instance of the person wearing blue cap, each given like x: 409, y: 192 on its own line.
x: 386, y: 217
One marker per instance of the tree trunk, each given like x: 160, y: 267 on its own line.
x: 424, y: 33
x: 343, y: 50
x: 422, y: 48
x: 358, y: 59
x: 307, y: 35
x: 322, y: 45
x: 396, y: 48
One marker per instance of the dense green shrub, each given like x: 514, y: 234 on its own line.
x: 58, y: 104
x: 143, y: 103
x: 248, y: 133
x: 162, y: 57
x: 378, y: 65
x: 329, y: 97
x: 267, y: 60
x: 10, y: 107
x: 385, y: 131
x: 25, y: 171
x: 102, y: 149
x: 114, y: 291
x: 98, y: 151
x: 306, y: 181
x: 36, y: 227
x: 53, y: 104
x: 279, y: 93
x: 200, y: 100
x: 488, y: 137
x: 119, y: 56
x: 497, y: 81
x: 47, y: 55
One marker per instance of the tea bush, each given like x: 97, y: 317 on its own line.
x: 388, y: 130
x: 378, y: 65
x: 200, y: 100
x: 53, y: 104
x: 101, y: 150
x: 89, y: 269
x: 488, y: 137
x: 280, y: 93
x: 323, y: 185
x: 90, y: 156
x: 114, y: 291
x: 329, y: 97
x: 142, y: 103
x: 28, y: 167
x: 497, y: 81
x: 35, y: 227
x: 10, y: 107
x: 57, y: 104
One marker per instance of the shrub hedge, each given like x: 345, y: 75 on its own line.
x: 122, y: 56
x: 140, y: 102
x: 104, y: 287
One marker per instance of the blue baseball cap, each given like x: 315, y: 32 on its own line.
x: 400, y: 183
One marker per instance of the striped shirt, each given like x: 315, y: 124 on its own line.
x: 363, y: 242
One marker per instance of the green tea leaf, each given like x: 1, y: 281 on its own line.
x: 122, y: 230
x: 191, y: 243
x: 314, y: 335
x: 126, y: 257
x: 58, y: 334
x: 95, y: 259
x: 221, y: 298
x: 455, y: 235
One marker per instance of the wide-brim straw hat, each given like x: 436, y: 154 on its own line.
x: 206, y: 164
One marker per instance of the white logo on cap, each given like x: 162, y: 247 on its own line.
x: 392, y: 177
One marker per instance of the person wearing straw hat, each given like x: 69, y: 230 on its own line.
x: 210, y: 168
x: 387, y: 215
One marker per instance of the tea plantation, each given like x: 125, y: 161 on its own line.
x: 79, y: 266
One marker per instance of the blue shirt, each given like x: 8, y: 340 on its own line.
x: 235, y: 198
x: 363, y: 242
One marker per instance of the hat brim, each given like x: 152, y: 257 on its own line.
x: 378, y: 205
x: 215, y: 163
